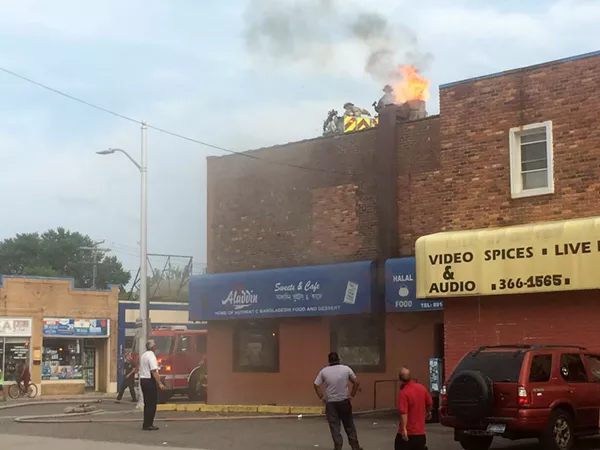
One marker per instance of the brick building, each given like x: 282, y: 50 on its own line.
x: 317, y: 222
x: 67, y: 336
x: 515, y: 148
x: 493, y: 129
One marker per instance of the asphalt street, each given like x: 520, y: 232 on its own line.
x: 221, y: 432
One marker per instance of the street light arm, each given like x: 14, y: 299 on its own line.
x: 130, y: 158
x: 112, y: 151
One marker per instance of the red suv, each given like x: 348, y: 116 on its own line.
x: 549, y: 392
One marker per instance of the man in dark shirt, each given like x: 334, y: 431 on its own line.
x: 129, y: 371
x: 414, y: 404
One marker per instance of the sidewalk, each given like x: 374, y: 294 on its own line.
x: 48, y: 443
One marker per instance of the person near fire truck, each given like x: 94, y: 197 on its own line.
x: 129, y: 371
x: 150, y: 383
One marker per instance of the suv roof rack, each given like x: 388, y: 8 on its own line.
x: 487, y: 347
x: 525, y: 347
x: 536, y: 346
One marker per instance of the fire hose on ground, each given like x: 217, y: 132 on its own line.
x: 85, y: 412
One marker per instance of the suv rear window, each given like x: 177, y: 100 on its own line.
x: 498, y: 366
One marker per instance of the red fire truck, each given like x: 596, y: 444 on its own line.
x: 181, y: 355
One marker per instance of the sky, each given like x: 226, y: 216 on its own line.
x: 185, y: 66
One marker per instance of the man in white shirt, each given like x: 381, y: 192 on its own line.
x: 150, y: 383
x: 338, y: 407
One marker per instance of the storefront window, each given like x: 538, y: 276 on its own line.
x: 256, y: 347
x: 360, y: 342
x: 14, y: 354
x: 129, y: 343
x: 62, y: 359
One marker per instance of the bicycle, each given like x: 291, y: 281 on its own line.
x: 17, y: 390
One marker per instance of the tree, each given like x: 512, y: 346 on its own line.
x: 59, y: 253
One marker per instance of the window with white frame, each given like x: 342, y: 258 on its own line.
x: 531, y: 160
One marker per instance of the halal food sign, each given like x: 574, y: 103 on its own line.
x: 558, y: 256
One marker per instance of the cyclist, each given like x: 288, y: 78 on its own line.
x: 1, y: 386
x: 24, y: 377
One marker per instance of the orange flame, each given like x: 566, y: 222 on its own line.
x: 412, y: 87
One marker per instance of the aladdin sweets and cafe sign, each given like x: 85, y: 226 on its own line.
x: 553, y: 256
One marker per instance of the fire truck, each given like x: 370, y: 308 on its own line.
x: 181, y: 355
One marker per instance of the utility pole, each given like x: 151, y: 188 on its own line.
x: 95, y: 249
x: 143, y: 168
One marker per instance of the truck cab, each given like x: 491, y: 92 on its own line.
x: 181, y: 355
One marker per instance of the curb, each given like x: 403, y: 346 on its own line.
x: 267, y: 409
x: 23, y: 404
x: 57, y: 419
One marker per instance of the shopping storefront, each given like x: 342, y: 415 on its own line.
x: 65, y: 335
x: 270, y: 332
x: 403, y: 305
x: 73, y: 350
x: 533, y: 283
x: 15, y: 343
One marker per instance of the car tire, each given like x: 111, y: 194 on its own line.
x: 196, y: 390
x: 559, y: 432
x: 476, y: 442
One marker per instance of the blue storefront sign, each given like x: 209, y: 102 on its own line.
x: 401, y: 288
x: 76, y: 327
x: 294, y: 292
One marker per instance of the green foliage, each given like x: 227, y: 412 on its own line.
x: 58, y: 253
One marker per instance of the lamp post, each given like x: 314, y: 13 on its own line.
x: 143, y: 168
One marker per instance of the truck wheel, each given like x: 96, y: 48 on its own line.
x: 196, y: 390
x: 476, y: 442
x: 559, y: 432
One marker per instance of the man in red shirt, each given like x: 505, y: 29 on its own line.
x: 414, y: 404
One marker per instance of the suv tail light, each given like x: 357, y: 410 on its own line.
x: 524, y: 399
x: 443, y: 396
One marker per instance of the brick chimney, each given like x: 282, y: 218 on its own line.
x: 411, y: 110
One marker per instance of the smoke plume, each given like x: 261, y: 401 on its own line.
x: 312, y: 30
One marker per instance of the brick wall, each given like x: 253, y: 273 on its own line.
x: 471, y: 189
x: 409, y: 341
x: 473, y: 185
x: 418, y: 158
x: 263, y: 215
x: 520, y: 319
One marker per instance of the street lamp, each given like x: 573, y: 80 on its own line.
x: 143, y: 168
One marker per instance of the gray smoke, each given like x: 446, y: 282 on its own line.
x: 311, y: 30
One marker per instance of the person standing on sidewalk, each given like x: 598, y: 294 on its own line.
x: 414, y: 404
x: 150, y: 383
x: 338, y: 406
x: 129, y: 371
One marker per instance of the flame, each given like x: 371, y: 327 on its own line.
x: 412, y: 87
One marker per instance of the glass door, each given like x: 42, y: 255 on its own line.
x: 89, y: 367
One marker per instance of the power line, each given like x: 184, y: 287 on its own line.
x: 163, y: 130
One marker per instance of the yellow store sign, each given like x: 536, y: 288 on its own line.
x: 551, y: 256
